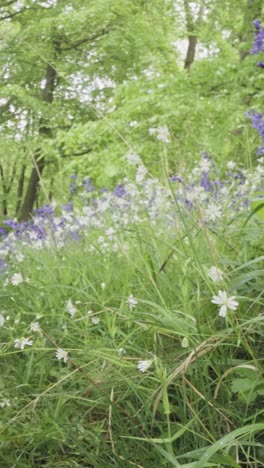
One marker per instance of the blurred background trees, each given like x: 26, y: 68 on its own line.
x: 82, y: 83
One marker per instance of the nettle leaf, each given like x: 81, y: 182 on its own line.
x: 242, y: 385
x: 258, y: 204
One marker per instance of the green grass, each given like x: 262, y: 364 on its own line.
x: 195, y: 406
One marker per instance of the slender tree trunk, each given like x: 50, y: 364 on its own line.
x: 190, y: 55
x: 20, y: 188
x: 192, y: 28
x: 6, y: 186
x: 39, y: 161
x: 32, y: 188
x: 4, y: 200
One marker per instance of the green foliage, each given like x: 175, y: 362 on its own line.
x: 148, y: 88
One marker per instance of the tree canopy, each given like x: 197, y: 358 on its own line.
x: 83, y: 83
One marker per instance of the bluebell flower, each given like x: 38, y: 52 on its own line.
x: 257, y: 123
x: 44, y: 211
x: 205, y: 182
x: 258, y: 45
x: 176, y: 178
x: 119, y: 191
x: 3, y: 232
x: 257, y: 23
x: 260, y: 150
x: 87, y: 184
x: 72, y: 187
x: 68, y: 207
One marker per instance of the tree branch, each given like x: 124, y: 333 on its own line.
x: 86, y: 39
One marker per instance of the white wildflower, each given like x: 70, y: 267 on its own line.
x: 61, y: 354
x: 196, y: 172
x: 143, y: 366
x: 121, y: 352
x: 110, y: 233
x: 213, y: 212
x: 205, y: 165
x: 231, y: 165
x: 20, y: 343
x: 35, y: 327
x: 2, y: 320
x: 103, y: 286
x: 133, y: 123
x: 141, y: 174
x: 215, y: 274
x: 71, y: 309
x: 131, y: 301
x: 16, y: 279
x: 225, y: 302
x: 95, y: 320
x: 5, y: 402
x: 163, y: 134
x: 20, y: 257
x: 133, y: 159
x: 152, y: 131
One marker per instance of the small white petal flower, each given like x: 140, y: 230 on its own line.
x: 16, y: 279
x: 143, y: 366
x: 215, y: 274
x: 61, y: 354
x: 5, y: 402
x: 141, y: 174
x: 71, y: 309
x: 205, y: 165
x: 133, y: 123
x: 225, y: 302
x: 132, y: 302
x: 103, y: 286
x: 20, y: 257
x: 213, y: 212
x: 152, y: 131
x: 35, y: 327
x: 231, y: 164
x: 95, y: 320
x: 133, y: 159
x: 2, y: 320
x: 20, y: 343
x: 121, y: 352
x: 163, y: 134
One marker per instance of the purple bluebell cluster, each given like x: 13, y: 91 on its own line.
x: 108, y: 218
x: 259, y: 38
x: 257, y: 121
x: 257, y: 118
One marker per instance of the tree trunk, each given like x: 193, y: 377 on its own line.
x: 39, y: 161
x: 20, y: 188
x: 6, y: 186
x: 192, y: 28
x: 32, y: 188
x: 190, y: 55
